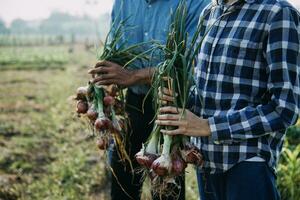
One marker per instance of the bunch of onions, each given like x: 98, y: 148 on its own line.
x: 165, y: 157
x: 97, y: 105
x: 104, y: 106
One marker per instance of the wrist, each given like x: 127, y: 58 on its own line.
x: 142, y: 76
x: 133, y: 77
x: 204, y: 129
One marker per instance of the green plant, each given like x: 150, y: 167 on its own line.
x: 289, y: 173
x: 293, y: 135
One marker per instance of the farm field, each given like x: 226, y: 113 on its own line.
x: 54, y: 57
x: 46, y: 151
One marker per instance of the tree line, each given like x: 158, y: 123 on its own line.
x: 58, y: 23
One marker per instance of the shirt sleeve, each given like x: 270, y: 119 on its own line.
x: 281, y: 111
x: 115, y: 17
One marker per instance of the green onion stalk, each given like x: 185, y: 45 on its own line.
x: 176, y: 74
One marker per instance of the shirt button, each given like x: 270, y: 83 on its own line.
x: 146, y: 34
x: 149, y: 6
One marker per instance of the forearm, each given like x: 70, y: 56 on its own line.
x: 142, y: 76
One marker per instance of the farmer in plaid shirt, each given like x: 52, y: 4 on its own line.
x: 247, y: 82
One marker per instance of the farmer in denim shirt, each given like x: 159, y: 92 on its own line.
x: 147, y: 20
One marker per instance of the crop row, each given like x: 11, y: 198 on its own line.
x: 35, y: 57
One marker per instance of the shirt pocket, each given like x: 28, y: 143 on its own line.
x: 241, y: 49
x: 240, y: 59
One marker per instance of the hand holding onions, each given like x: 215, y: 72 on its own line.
x: 187, y: 124
x: 102, y: 101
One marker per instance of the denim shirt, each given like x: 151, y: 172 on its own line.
x: 150, y: 20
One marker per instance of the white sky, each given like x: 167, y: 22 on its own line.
x: 37, y: 9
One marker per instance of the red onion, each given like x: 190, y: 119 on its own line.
x: 102, y: 124
x: 82, y: 93
x: 178, y: 164
x: 109, y: 101
x: 192, y: 154
x: 162, y: 166
x: 145, y: 159
x: 92, y: 114
x: 81, y: 107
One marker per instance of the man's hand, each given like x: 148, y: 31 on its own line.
x: 106, y: 73
x: 187, y: 124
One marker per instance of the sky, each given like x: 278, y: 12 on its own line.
x: 38, y: 9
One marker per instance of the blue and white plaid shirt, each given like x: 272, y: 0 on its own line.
x: 248, y: 81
